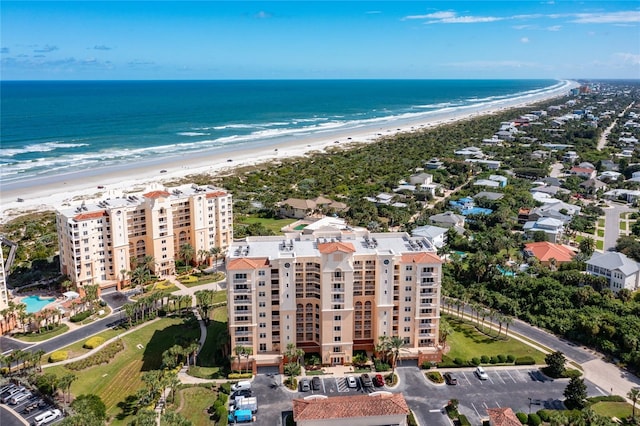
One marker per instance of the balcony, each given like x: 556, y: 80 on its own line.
x: 243, y: 321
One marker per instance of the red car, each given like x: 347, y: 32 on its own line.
x: 378, y: 380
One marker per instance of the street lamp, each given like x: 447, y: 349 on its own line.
x: 529, y: 405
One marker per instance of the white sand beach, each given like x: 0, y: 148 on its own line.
x: 50, y: 193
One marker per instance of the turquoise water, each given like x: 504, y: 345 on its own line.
x: 35, y: 303
x: 505, y: 272
x: 53, y: 128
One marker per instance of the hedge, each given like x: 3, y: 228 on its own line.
x: 607, y: 398
x: 522, y: 417
x: 463, y: 420
x: 58, y: 356
x: 81, y: 316
x: 93, y: 342
x: 103, y: 356
x: 237, y: 376
x: 434, y: 376
x: 525, y: 360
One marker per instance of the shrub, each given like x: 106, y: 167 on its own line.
x: 493, y: 360
x: 534, y: 420
x: 103, y: 356
x: 58, y: 356
x: 544, y: 415
x: 93, y: 342
x: 463, y: 420
x: 484, y: 359
x: 237, y: 376
x: 459, y: 361
x: 525, y: 360
x: 223, y: 398
x: 511, y: 358
x: 522, y: 417
x: 425, y: 365
x: 475, y: 361
x: 435, y: 376
x: 221, y: 412
x: 570, y: 373
x: 80, y: 317
x: 225, y: 388
x: 411, y: 420
x: 607, y: 398
x: 381, y: 366
x: 502, y: 359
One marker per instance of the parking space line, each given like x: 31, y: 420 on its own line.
x: 490, y: 378
x: 466, y: 378
x: 475, y: 409
x: 499, y: 376
x: 324, y: 389
x: 509, y: 374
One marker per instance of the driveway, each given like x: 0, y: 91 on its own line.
x: 612, y: 224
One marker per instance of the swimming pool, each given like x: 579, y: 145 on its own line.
x: 36, y: 303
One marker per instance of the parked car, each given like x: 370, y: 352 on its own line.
x: 378, y: 380
x: 19, y: 397
x: 315, y: 383
x: 6, y: 396
x: 352, y: 382
x: 482, y: 375
x: 243, y: 392
x: 241, y: 385
x: 366, y: 380
x: 304, y: 385
x: 47, y: 417
x: 449, y: 379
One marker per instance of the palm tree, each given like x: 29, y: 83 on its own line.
x: 140, y: 276
x: 507, y: 322
x: 186, y: 253
x: 395, y: 344
x: 634, y: 395
x: 65, y: 384
x: 215, y: 251
x: 37, y: 356
x: 202, y: 255
x: 239, y: 351
x: 130, y: 311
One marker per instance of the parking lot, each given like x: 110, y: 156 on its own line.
x: 522, y: 389
x: 32, y: 407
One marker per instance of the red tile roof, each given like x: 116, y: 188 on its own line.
x: 216, y: 194
x: 327, y: 248
x: 544, y: 251
x: 90, y: 215
x: 243, y: 263
x: 345, y: 407
x: 156, y: 194
x: 503, y: 417
x: 422, y: 257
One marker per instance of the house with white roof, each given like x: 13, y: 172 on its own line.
x: 470, y: 152
x: 553, y: 228
x: 447, y: 220
x: 620, y: 271
x: 489, y: 164
x: 434, y: 234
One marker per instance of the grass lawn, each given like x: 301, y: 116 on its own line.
x: 207, y: 367
x: 193, y: 403
x: 466, y: 342
x: 601, y: 233
x: 600, y: 245
x: 600, y: 223
x: 76, y: 349
x: 608, y: 409
x: 623, y: 226
x: 272, y: 224
x: 119, y: 379
x: 35, y: 337
x: 206, y: 279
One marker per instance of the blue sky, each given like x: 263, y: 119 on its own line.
x: 76, y: 40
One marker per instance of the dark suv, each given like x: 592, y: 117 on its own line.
x: 315, y: 383
x: 449, y: 379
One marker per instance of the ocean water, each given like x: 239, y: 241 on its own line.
x: 57, y: 127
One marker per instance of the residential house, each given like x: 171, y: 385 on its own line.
x: 523, y: 215
x: 494, y: 181
x: 421, y: 179
x: 502, y: 180
x: 545, y: 251
x: 559, y: 210
x: 378, y: 409
x: 434, y: 234
x: 539, y: 155
x: 299, y: 208
x: 470, y: 152
x: 488, y: 164
x: 592, y: 186
x: 434, y: 164
x: 610, y: 175
x: 608, y: 165
x: 583, y: 172
x: 620, y: 271
x: 630, y: 195
x: 553, y: 228
x: 570, y: 157
x: 491, y: 196
x: 467, y: 206
x: 447, y: 220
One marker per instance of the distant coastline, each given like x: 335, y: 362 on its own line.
x: 49, y: 191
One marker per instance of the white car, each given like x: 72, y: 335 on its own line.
x: 47, y: 417
x: 351, y: 382
x: 482, y: 375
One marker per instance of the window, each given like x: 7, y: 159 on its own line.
x: 263, y: 335
x: 261, y: 294
x: 261, y: 273
x: 263, y: 347
x: 336, y: 349
x: 408, y: 278
x: 337, y: 318
x: 337, y: 338
x: 407, y: 299
x: 262, y: 314
x: 429, y: 269
x: 407, y: 329
x: 263, y: 325
x: 241, y: 276
x: 407, y: 319
x: 337, y: 328
x: 407, y: 288
x: 261, y: 283
x: 409, y: 268
x: 407, y: 308
x: 262, y: 304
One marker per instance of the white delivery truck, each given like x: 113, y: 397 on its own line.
x: 246, y: 403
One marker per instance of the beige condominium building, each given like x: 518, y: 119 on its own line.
x: 101, y: 239
x: 333, y: 291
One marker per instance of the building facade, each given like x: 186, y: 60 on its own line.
x: 102, y: 241
x: 332, y: 292
x: 620, y: 271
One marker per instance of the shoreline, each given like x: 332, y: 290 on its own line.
x: 51, y: 192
